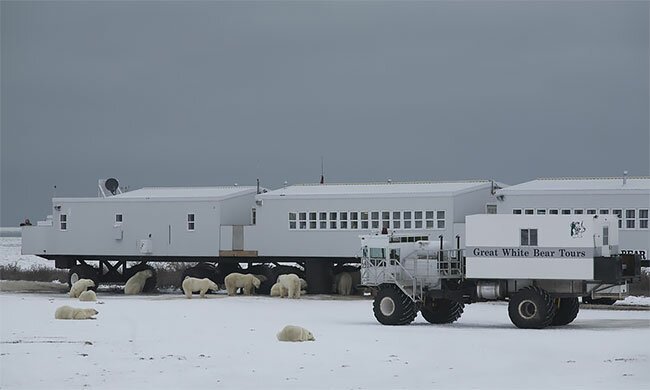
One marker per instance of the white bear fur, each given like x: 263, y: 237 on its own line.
x: 295, y: 333
x: 247, y: 282
x: 80, y: 286
x: 191, y: 285
x: 73, y: 313
x: 135, y: 284
x: 88, y: 295
x: 292, y: 283
x: 303, y: 286
x: 277, y: 290
x: 344, y: 283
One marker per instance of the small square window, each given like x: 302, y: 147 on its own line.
x: 529, y: 211
x: 541, y: 211
x: 566, y: 211
x: 591, y: 211
x: 553, y: 211
x: 118, y: 218
x: 604, y: 211
x: 578, y: 211
x: 516, y: 211
x: 190, y: 222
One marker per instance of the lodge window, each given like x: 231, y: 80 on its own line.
x: 578, y: 211
x: 529, y: 211
x: 312, y: 220
x: 528, y: 237
x: 333, y: 221
x: 591, y: 211
x: 541, y: 211
x: 374, y: 216
x: 322, y: 220
x: 302, y: 220
x: 343, y: 220
x: 605, y: 235
x: 553, y: 211
x: 407, y: 219
x: 440, y: 219
x: 603, y: 211
x: 292, y: 220
x: 385, y: 219
x: 354, y: 220
x: 63, y: 220
x: 397, y: 219
x: 516, y: 211
x: 254, y: 216
x: 491, y: 209
x: 118, y: 218
x: 566, y: 211
x: 418, y: 219
x: 190, y: 222
x: 643, y: 218
x: 630, y: 218
x: 364, y: 220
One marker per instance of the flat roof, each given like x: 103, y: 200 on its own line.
x: 187, y: 192
x: 632, y: 184
x: 338, y: 190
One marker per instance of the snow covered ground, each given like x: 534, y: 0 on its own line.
x: 167, y: 341
x: 10, y: 255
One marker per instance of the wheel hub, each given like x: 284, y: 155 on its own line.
x: 387, y: 306
x: 527, y: 309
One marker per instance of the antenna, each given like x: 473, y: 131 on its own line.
x: 624, y: 177
x: 322, y: 170
x: 258, y: 185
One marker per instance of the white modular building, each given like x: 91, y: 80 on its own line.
x: 325, y: 220
x: 160, y: 223
x: 627, y: 198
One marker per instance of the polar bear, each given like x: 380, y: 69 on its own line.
x: 277, y: 290
x: 247, y: 282
x: 292, y: 283
x: 191, y: 285
x: 80, y: 286
x: 343, y: 283
x: 88, y: 295
x: 73, y: 313
x: 295, y: 333
x: 303, y: 286
x: 135, y: 284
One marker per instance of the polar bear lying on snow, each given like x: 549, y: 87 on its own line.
x: 88, y: 295
x: 135, y: 284
x: 292, y: 283
x: 295, y: 333
x: 191, y: 285
x: 247, y: 282
x: 80, y: 286
x: 73, y: 313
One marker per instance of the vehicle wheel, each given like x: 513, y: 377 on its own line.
x: 392, y: 307
x: 441, y: 311
x: 566, y: 312
x: 586, y: 300
x: 531, y: 308
x: 150, y: 284
x: 83, y: 271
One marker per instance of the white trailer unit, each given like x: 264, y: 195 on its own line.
x: 149, y: 224
x: 627, y: 198
x: 541, y: 264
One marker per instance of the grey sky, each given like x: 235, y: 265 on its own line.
x: 213, y: 93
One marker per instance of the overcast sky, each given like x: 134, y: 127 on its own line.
x: 216, y: 93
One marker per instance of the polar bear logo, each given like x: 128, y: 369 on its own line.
x: 191, y: 285
x: 295, y: 333
x: 135, y: 284
x: 73, y: 313
x: 247, y: 282
x: 88, y: 296
x: 292, y: 283
x: 80, y: 286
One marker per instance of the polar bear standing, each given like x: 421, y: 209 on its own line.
x: 73, y: 313
x: 191, y: 285
x: 88, y: 295
x: 344, y: 283
x: 247, y: 282
x: 303, y: 286
x: 292, y: 283
x: 295, y: 333
x: 135, y: 284
x: 80, y: 286
x: 277, y: 290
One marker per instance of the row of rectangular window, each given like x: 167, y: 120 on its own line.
x: 63, y: 221
x: 330, y: 220
x: 632, y: 218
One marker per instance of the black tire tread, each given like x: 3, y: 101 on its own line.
x: 542, y: 299
x: 404, y: 306
x: 442, y: 311
x: 567, y: 311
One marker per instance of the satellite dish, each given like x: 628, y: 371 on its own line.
x: 111, y: 185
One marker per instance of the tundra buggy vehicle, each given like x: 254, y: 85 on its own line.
x: 540, y: 264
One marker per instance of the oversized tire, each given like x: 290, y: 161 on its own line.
x: 83, y: 271
x: 151, y: 283
x: 441, y: 311
x: 531, y: 308
x: 566, y: 311
x: 392, y: 307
